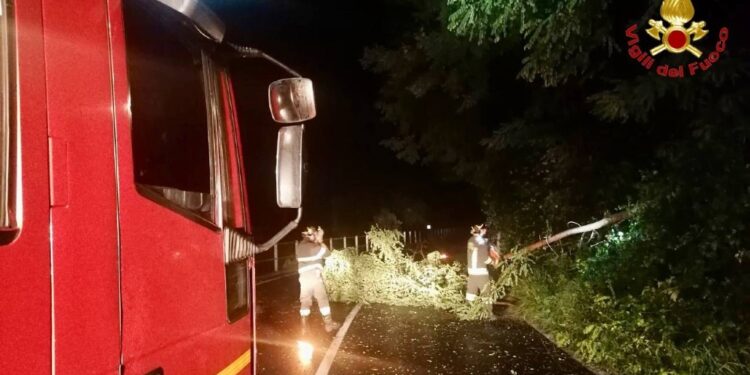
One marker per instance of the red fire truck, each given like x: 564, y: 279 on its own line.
x: 124, y: 221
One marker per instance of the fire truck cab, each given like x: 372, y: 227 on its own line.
x: 124, y: 221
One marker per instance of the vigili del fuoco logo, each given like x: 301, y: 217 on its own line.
x: 676, y: 37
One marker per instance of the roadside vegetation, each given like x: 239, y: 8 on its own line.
x: 601, y: 302
x: 581, y: 293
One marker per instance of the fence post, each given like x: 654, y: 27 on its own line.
x: 344, y: 242
x: 356, y: 243
x: 367, y: 242
x: 276, y: 258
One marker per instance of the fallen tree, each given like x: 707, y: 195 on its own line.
x: 387, y: 275
x: 517, y: 265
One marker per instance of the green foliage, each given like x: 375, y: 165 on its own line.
x: 559, y: 37
x: 656, y: 331
x: 435, y: 79
x: 386, y: 275
x: 510, y: 273
x: 670, y: 294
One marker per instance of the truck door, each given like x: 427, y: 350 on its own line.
x: 173, y: 203
x: 25, y: 281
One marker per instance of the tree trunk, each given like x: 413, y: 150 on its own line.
x: 607, y: 221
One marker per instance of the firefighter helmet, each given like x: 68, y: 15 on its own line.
x: 312, y: 232
x: 477, y: 229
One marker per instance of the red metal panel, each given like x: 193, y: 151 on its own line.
x: 58, y: 172
x: 25, y: 317
x: 206, y: 353
x: 173, y: 293
x: 84, y: 232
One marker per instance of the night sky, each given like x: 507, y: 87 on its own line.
x: 350, y: 176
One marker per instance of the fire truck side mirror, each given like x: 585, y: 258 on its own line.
x: 289, y: 167
x: 292, y: 100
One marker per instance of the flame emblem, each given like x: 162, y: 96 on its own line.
x: 676, y: 38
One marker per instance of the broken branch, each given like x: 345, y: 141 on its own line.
x: 607, y: 221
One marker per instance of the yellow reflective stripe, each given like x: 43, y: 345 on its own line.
x: 238, y: 365
x: 319, y: 255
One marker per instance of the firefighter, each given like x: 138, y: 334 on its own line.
x: 479, y: 254
x: 310, y: 253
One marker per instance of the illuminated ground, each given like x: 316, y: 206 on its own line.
x: 393, y: 340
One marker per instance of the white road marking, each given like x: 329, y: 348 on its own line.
x: 325, y: 365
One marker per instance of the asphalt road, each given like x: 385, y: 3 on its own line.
x: 398, y: 340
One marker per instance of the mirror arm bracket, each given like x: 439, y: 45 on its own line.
x: 238, y: 246
x: 249, y: 52
x: 282, y: 233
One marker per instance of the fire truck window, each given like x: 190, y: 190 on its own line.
x: 168, y: 106
x: 8, y: 128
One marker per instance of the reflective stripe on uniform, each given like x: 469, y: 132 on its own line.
x: 325, y: 311
x: 310, y: 267
x: 478, y: 271
x: 304, y: 312
x: 317, y: 256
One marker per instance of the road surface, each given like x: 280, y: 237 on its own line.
x: 397, y: 340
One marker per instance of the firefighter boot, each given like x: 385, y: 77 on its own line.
x: 330, y: 325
